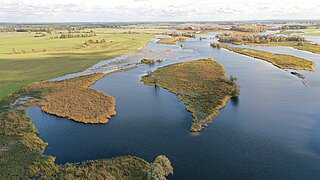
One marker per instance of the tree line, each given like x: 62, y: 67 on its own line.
x: 230, y: 38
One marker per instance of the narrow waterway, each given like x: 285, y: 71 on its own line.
x: 271, y: 131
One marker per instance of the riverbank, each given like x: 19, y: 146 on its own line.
x: 313, y: 48
x: 202, y: 85
x: 279, y: 60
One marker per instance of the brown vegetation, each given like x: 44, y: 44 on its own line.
x: 172, y: 40
x: 73, y: 99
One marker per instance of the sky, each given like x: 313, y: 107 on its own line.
x: 156, y: 10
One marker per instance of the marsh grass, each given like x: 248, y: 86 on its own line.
x: 202, y: 85
x: 280, y: 60
x: 172, y: 40
x: 73, y: 99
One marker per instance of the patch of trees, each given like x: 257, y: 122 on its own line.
x: 74, y: 35
x: 22, y: 51
x: 216, y: 45
x: 248, y: 28
x: 176, y: 34
x: 40, y: 34
x: 230, y: 38
x: 233, y: 81
x: 160, y: 168
x: 90, y: 41
x: 294, y: 26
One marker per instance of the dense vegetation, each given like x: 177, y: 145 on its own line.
x: 25, y: 58
x: 21, y: 150
x: 279, y: 60
x: 150, y: 61
x: 255, y: 38
x: 201, y: 84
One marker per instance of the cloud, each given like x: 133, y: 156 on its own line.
x: 152, y: 10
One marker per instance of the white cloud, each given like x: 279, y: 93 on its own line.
x: 155, y: 10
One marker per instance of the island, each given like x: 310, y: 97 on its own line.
x: 296, y: 42
x: 73, y: 99
x: 279, y: 60
x: 172, y: 40
x: 202, y: 85
x: 150, y: 61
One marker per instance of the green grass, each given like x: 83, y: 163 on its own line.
x: 280, y: 60
x: 62, y: 56
x: 201, y: 84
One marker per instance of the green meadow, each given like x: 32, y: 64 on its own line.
x: 25, y: 58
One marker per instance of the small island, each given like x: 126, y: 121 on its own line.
x: 172, y: 40
x: 202, y: 85
x: 280, y: 60
x: 150, y: 61
x: 73, y: 99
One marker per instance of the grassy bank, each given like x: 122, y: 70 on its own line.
x: 21, y: 150
x: 172, y: 40
x: 314, y: 48
x: 201, y: 84
x: 57, y: 57
x: 280, y: 60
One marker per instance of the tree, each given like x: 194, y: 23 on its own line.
x: 235, y: 87
x: 160, y: 168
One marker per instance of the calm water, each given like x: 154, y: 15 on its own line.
x: 271, y: 132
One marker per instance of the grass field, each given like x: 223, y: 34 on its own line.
x: 61, y: 56
x: 280, y: 60
x: 201, y: 84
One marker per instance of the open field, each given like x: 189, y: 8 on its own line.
x: 201, y: 84
x: 40, y: 58
x: 280, y: 60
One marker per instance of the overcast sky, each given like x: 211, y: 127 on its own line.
x: 155, y: 10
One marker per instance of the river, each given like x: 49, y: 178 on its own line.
x: 271, y: 132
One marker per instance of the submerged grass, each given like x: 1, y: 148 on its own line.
x: 201, y: 84
x: 280, y: 60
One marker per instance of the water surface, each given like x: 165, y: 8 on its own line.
x: 271, y: 132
